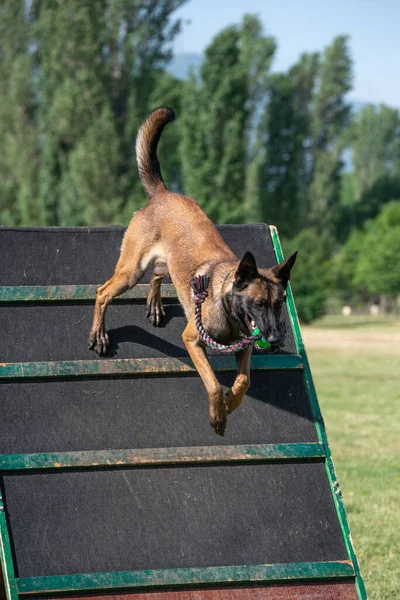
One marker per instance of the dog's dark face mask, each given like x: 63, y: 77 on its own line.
x: 258, y: 296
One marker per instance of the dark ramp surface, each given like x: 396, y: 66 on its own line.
x: 60, y: 332
x: 66, y: 256
x: 148, y: 412
x: 66, y: 522
x: 168, y: 518
x: 83, y: 255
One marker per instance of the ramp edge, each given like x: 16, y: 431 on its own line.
x: 182, y: 577
x: 320, y: 427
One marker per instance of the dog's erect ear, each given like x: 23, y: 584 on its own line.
x: 246, y: 271
x: 282, y: 271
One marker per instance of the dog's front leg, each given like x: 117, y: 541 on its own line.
x: 214, y: 390
x: 235, y: 395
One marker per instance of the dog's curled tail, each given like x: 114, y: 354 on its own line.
x: 146, y: 149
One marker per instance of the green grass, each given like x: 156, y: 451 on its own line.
x: 356, y: 372
x: 365, y: 322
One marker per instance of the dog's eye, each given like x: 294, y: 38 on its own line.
x: 259, y: 304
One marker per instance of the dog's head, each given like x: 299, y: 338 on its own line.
x: 258, y: 296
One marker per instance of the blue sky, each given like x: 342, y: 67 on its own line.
x: 310, y: 25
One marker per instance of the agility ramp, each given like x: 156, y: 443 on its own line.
x: 113, y: 482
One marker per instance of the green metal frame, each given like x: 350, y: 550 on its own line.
x: 147, y: 457
x: 320, y: 427
x: 138, y: 366
x: 6, y: 560
x: 133, y: 458
x: 125, y: 580
x: 73, y: 293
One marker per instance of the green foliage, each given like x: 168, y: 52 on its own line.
x: 376, y: 147
x: 344, y: 266
x: 284, y: 133
x: 378, y: 268
x: 19, y: 148
x: 311, y: 276
x: 218, y: 119
x: 330, y: 117
x: 78, y: 78
x: 369, y: 262
x: 375, y: 180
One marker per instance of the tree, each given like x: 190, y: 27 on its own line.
x: 344, y: 267
x: 378, y: 267
x: 331, y: 115
x: 368, y: 264
x: 257, y: 52
x: 19, y: 149
x: 71, y: 88
x: 375, y: 180
x: 376, y: 147
x: 285, y: 130
x: 76, y: 81
x: 312, y: 277
x: 218, y: 117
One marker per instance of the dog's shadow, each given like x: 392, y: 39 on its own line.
x: 138, y: 335
x: 277, y: 389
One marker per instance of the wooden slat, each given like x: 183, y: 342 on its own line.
x: 322, y: 591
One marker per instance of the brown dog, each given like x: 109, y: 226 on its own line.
x: 173, y: 233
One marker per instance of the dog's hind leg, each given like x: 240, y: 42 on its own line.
x: 235, y: 395
x: 154, y: 306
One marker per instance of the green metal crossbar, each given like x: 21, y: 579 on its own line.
x: 73, y: 293
x: 320, y: 427
x: 147, y: 457
x: 138, y: 366
x: 125, y: 580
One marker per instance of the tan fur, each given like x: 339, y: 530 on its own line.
x: 173, y: 233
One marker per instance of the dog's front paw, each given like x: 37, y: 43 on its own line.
x: 234, y: 396
x: 99, y: 342
x: 218, y: 420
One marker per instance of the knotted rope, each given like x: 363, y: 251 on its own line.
x: 200, y: 285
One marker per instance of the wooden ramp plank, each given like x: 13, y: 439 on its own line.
x: 323, y: 591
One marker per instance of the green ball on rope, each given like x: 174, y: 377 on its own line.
x: 262, y: 343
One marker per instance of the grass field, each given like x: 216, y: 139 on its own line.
x: 355, y: 363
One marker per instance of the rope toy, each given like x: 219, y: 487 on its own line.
x: 200, y: 285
